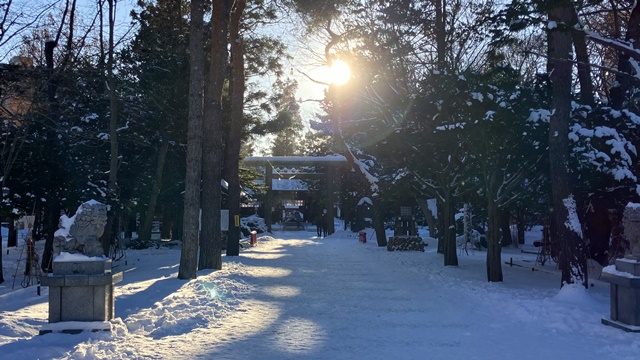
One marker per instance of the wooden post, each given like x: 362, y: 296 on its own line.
x: 268, y: 180
x: 331, y: 211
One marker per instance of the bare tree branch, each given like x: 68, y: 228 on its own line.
x: 13, y: 22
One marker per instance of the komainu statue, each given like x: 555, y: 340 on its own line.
x: 631, y: 224
x: 81, y: 232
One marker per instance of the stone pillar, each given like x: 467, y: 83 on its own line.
x: 624, y: 277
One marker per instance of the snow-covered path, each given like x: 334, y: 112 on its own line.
x: 333, y: 298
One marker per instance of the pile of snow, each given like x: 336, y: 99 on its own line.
x: 577, y: 295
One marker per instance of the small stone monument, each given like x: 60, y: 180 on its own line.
x: 81, y: 285
x: 624, y: 277
x: 405, y: 234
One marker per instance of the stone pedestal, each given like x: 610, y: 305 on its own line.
x: 405, y: 243
x: 80, y: 293
x: 625, y: 294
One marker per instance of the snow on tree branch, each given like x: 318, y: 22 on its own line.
x: 623, y: 46
x: 601, y: 141
x: 364, y: 169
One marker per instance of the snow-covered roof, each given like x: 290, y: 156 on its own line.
x: 295, y: 160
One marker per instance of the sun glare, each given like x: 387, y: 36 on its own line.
x: 339, y: 72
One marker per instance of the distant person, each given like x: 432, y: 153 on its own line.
x: 325, y: 225
x: 320, y: 225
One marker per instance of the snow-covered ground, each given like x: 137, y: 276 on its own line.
x: 297, y: 297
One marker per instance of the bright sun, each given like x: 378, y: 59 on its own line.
x: 339, y: 72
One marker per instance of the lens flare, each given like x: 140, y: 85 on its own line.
x: 339, y: 72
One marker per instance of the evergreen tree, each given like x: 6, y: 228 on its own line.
x: 287, y: 141
x: 149, y: 61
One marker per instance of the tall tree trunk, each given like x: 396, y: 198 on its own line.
x: 52, y: 221
x: 584, y: 64
x: 431, y: 220
x: 343, y: 148
x: 494, y: 257
x: 166, y: 232
x: 145, y: 230
x: 449, y: 230
x: 347, y: 216
x: 378, y: 221
x: 113, y: 135
x: 1, y: 267
x: 178, y: 223
x: 189, y: 253
x: 69, y: 47
x: 624, y: 79
x: 237, y: 87
x: 520, y: 227
x: 269, y: 205
x: 331, y: 197
x: 441, y: 11
x: 101, y: 57
x: 53, y: 208
x: 36, y: 232
x: 12, y: 236
x: 129, y: 224
x: 572, y: 255
x: 505, y: 227
x: 441, y: 226
x: 211, y: 237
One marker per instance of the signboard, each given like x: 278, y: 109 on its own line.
x: 155, y: 230
x: 224, y: 220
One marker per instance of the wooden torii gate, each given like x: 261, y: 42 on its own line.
x: 330, y: 163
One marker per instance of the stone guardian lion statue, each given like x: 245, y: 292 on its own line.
x: 81, y: 232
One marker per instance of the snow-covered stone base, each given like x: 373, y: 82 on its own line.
x: 624, y: 279
x: 75, y: 327
x: 621, y: 325
x: 405, y: 243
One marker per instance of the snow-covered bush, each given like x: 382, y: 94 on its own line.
x: 253, y: 222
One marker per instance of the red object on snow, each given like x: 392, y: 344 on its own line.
x: 254, y: 238
x: 362, y: 237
